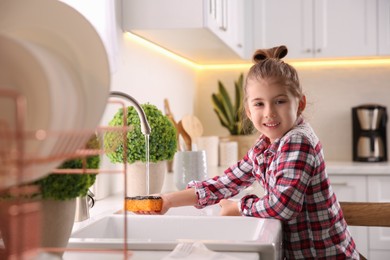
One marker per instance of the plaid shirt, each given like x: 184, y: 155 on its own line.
x: 297, y: 192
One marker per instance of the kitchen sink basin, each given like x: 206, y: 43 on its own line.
x: 146, y: 232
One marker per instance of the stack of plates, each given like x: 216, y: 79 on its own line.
x: 51, y: 55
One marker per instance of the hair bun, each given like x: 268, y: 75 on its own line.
x: 278, y: 52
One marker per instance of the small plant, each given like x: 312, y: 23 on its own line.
x: 65, y: 186
x: 69, y: 186
x: 162, y: 140
x: 231, y: 115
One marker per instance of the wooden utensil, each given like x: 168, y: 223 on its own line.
x: 170, y: 116
x: 192, y: 126
x: 168, y: 112
x: 179, y: 128
x: 186, y: 137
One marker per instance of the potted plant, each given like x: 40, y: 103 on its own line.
x: 231, y: 115
x: 162, y: 148
x: 57, y: 194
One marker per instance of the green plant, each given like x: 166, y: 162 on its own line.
x: 231, y: 115
x: 69, y: 186
x: 162, y: 140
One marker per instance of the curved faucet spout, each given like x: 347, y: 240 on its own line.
x: 145, y: 127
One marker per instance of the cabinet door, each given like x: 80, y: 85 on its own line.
x: 353, y: 188
x: 228, y: 19
x: 378, y: 190
x: 345, y: 28
x: 384, y: 27
x: 284, y: 22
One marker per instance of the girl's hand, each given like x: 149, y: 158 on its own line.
x: 229, y: 208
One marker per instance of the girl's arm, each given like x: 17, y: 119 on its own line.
x: 181, y: 198
x: 186, y: 197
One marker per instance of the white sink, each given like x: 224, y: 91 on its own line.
x: 218, y: 233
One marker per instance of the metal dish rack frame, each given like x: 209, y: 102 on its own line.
x: 20, y: 220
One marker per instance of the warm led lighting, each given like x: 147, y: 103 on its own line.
x: 244, y: 66
x: 161, y: 50
x: 341, y: 63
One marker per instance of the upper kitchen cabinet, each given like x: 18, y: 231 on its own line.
x: 384, y: 27
x: 205, y: 31
x: 317, y: 28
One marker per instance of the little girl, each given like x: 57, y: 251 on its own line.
x: 287, y: 160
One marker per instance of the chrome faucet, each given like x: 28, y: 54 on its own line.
x: 145, y: 127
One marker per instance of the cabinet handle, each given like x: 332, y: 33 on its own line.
x: 224, y: 15
x: 308, y: 51
x: 212, y: 9
x: 340, y: 183
x: 318, y: 50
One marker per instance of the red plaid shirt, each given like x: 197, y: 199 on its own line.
x: 297, y: 192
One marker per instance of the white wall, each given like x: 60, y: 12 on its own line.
x: 140, y: 72
x: 331, y: 93
x: 144, y: 74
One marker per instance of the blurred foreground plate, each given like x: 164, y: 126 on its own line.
x: 67, y: 86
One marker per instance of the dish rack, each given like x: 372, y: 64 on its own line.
x: 20, y: 219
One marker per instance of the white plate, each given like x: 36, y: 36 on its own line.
x: 77, y: 47
x: 22, y: 71
x: 47, y: 85
x: 61, y: 29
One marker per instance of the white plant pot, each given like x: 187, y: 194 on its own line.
x: 49, y: 228
x: 57, y: 222
x: 136, y: 178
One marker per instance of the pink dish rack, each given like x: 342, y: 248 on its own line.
x: 21, y: 219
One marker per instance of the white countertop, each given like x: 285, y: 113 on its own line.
x: 340, y: 167
x: 358, y: 168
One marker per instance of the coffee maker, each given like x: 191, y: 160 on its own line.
x: 369, y: 133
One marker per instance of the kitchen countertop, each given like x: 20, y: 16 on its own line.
x: 358, y: 168
x: 340, y: 167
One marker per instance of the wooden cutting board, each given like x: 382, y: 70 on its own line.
x: 192, y: 126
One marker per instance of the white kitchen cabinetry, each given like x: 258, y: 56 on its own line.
x: 369, y: 182
x: 317, y: 28
x: 353, y: 188
x: 206, y: 31
x: 379, y: 238
x: 384, y: 27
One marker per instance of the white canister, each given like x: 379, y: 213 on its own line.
x: 188, y: 166
x: 228, y: 153
x: 210, y: 145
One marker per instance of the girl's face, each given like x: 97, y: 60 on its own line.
x: 272, y: 109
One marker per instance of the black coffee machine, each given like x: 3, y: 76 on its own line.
x: 369, y: 133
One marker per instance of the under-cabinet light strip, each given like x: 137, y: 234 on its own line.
x: 302, y: 64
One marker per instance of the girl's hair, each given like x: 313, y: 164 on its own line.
x: 269, y: 66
